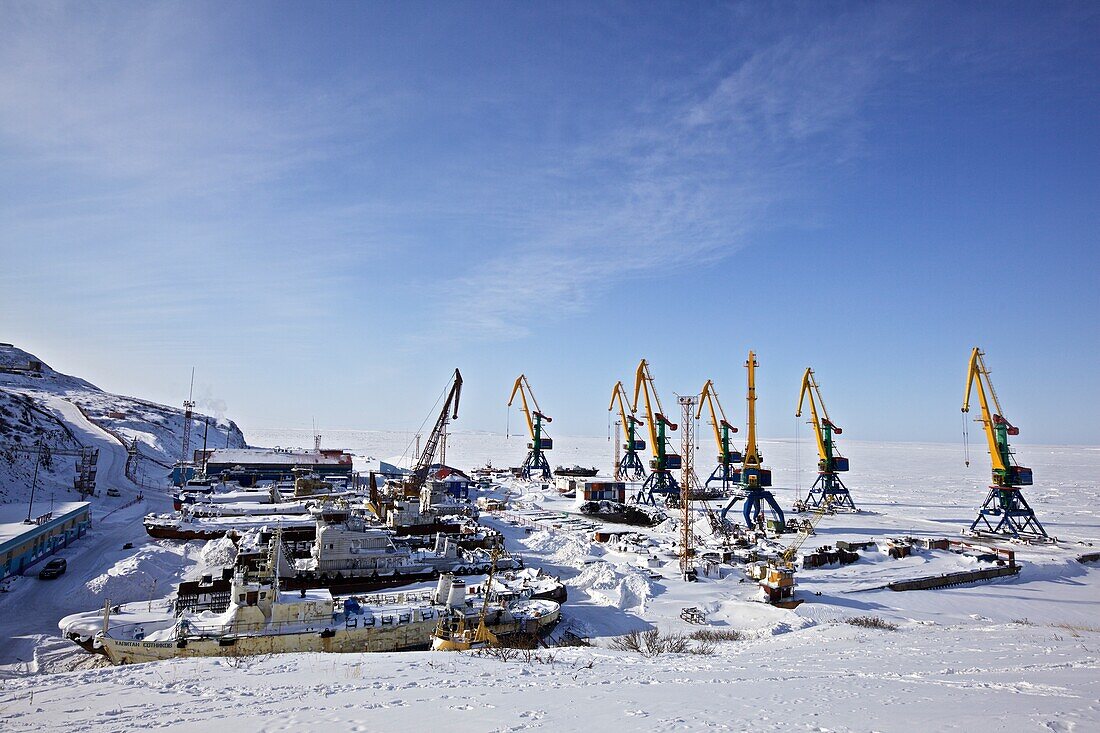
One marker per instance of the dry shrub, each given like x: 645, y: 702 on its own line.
x: 652, y: 642
x: 871, y: 622
x: 715, y: 636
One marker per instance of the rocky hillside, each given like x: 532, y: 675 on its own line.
x: 32, y: 410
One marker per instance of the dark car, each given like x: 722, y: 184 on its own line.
x: 53, y: 568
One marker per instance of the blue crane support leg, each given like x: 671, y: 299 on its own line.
x: 535, y: 463
x: 630, y: 466
x: 658, y: 482
x: 829, y: 487
x: 725, y: 473
x: 1014, y: 516
x: 754, y: 507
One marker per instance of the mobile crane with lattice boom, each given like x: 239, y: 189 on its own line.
x: 630, y: 466
x: 664, y: 462
x: 414, y: 483
x: 725, y: 472
x: 755, y: 479
x: 535, y: 463
x: 828, y: 484
x: 776, y: 576
x: 1005, y: 511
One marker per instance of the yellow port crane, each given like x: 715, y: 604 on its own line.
x: 535, y: 463
x: 1005, y: 511
x: 755, y: 479
x: 830, y: 462
x: 664, y: 462
x: 725, y: 471
x: 630, y: 465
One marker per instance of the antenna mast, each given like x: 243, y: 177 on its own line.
x: 188, y: 412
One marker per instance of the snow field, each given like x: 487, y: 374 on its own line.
x: 1020, y: 651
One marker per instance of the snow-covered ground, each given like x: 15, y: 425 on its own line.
x: 1020, y: 652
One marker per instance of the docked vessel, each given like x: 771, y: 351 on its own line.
x: 455, y: 631
x: 576, y: 470
x: 350, y: 555
x: 261, y: 619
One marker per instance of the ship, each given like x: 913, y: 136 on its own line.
x: 350, y: 555
x: 576, y: 471
x: 262, y: 619
x: 453, y: 632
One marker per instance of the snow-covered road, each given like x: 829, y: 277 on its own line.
x: 29, y: 610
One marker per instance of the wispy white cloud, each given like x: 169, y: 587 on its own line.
x: 154, y: 165
x: 688, y: 178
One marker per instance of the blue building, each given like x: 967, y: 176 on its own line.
x: 23, y: 544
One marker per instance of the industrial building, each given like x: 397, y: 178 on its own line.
x: 24, y: 543
x: 249, y: 465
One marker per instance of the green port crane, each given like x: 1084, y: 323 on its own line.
x: 830, y: 462
x: 725, y: 472
x: 664, y: 462
x: 1005, y: 511
x: 630, y: 465
x: 535, y: 463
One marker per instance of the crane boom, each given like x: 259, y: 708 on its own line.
x: 618, y: 395
x: 718, y: 421
x: 427, y: 457
x: 788, y: 555
x: 523, y: 388
x: 824, y: 428
x: 643, y: 384
x: 809, y: 388
x: 978, y: 374
x: 630, y: 465
x: 753, y: 459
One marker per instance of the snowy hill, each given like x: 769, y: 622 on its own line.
x: 38, y: 403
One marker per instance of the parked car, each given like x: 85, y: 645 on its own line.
x: 53, y: 569
x: 112, y: 491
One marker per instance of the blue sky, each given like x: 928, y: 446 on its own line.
x: 325, y: 208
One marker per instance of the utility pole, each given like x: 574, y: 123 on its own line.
x: 188, y: 411
x: 687, y: 485
x: 205, y: 433
x: 34, y: 483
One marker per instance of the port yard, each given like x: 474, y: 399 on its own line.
x: 965, y: 642
x: 763, y: 578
